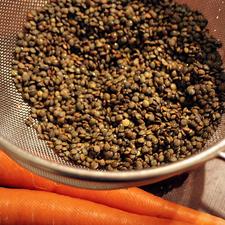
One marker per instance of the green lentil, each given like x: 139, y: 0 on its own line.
x: 126, y: 122
x: 116, y: 85
x: 146, y: 103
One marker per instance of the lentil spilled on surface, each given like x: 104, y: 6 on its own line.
x: 120, y: 85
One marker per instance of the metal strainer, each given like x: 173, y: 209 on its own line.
x: 21, y: 142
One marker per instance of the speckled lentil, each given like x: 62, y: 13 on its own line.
x: 120, y: 85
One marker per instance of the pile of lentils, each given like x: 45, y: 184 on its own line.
x: 120, y: 85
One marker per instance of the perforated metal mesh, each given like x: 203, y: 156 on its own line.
x: 14, y: 112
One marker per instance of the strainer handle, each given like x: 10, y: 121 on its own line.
x: 222, y: 155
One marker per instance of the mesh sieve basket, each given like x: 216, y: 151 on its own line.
x: 21, y: 142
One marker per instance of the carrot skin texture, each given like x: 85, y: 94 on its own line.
x: 27, y: 207
x: 132, y: 200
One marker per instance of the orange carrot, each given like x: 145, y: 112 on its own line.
x: 27, y: 207
x: 132, y: 200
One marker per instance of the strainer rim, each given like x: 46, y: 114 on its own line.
x: 110, y: 176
